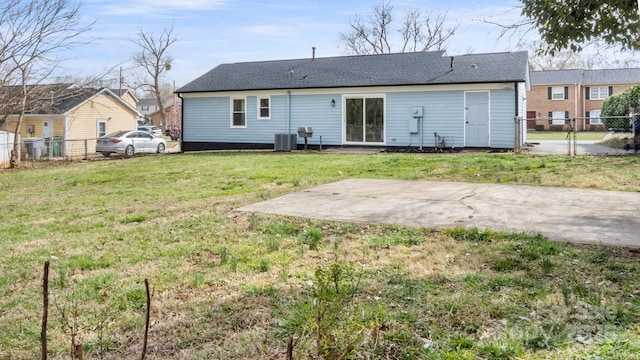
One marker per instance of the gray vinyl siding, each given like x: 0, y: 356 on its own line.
x: 502, y: 111
x: 316, y: 111
x: 443, y: 113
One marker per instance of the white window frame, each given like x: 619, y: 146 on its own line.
x: 557, y: 93
x: 558, y: 118
x: 106, y: 127
x: 233, y: 112
x: 260, y: 98
x: 595, y: 119
x: 598, y: 92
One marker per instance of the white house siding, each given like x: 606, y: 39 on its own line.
x: 522, y: 109
x: 502, y: 112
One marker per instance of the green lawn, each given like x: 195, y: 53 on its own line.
x: 562, y: 135
x: 230, y: 285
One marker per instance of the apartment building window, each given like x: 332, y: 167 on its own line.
x: 598, y: 92
x: 558, y: 92
x: 558, y: 117
x: 594, y: 117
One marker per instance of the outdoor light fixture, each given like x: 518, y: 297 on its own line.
x: 333, y: 103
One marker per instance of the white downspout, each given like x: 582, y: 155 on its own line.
x: 289, y: 110
x: 575, y: 106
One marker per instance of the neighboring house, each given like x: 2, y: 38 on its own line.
x: 557, y: 96
x: 147, y: 107
x: 156, y: 118
x: 127, y: 95
x: 390, y: 100
x: 73, y: 118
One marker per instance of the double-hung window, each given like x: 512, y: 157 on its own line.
x: 101, y: 127
x: 594, y: 117
x: 598, y: 92
x: 558, y: 117
x: 557, y: 93
x: 264, y: 107
x: 238, y: 112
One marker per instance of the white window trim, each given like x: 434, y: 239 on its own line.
x: 231, y: 113
x: 106, y: 126
x: 258, y: 108
x: 599, y: 92
x: 554, y: 92
x: 598, y: 118
x: 558, y: 120
x: 344, y: 118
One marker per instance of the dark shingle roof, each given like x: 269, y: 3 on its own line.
x: 586, y: 77
x: 48, y: 98
x: 420, y: 68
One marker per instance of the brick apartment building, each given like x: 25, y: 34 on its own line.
x: 556, y: 96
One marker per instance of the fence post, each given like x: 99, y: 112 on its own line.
x: 519, y: 133
x: 86, y: 149
x: 575, y: 137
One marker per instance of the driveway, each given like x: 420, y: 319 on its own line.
x: 582, y: 147
x: 559, y: 214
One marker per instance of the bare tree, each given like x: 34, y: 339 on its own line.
x: 540, y: 60
x: 419, y: 32
x: 426, y: 32
x: 155, y: 61
x: 32, y: 34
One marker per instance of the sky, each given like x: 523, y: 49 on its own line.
x: 213, y: 32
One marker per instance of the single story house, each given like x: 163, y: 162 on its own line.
x: 414, y: 100
x: 69, y: 118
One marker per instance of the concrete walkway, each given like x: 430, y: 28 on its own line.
x: 559, y: 214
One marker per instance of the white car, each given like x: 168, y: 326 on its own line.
x: 153, y: 130
x: 129, y: 143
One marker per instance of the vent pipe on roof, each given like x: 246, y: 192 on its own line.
x: 313, y: 53
x: 452, y: 57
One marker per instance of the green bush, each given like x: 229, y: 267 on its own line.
x: 539, y: 127
x: 616, y: 108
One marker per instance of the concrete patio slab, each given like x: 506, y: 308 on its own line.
x: 559, y: 214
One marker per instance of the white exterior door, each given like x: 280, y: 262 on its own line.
x: 477, y: 119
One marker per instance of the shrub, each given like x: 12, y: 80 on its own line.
x: 539, y: 127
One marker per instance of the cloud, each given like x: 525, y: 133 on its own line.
x: 163, y: 7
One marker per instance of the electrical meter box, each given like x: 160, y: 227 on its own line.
x: 416, y: 111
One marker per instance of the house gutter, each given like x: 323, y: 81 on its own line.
x: 515, y: 87
x: 181, y: 122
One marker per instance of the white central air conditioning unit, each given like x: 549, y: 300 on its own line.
x: 285, y: 142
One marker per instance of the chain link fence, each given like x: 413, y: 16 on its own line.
x: 583, y: 136
x: 39, y: 149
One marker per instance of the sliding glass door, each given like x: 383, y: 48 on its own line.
x: 364, y: 120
